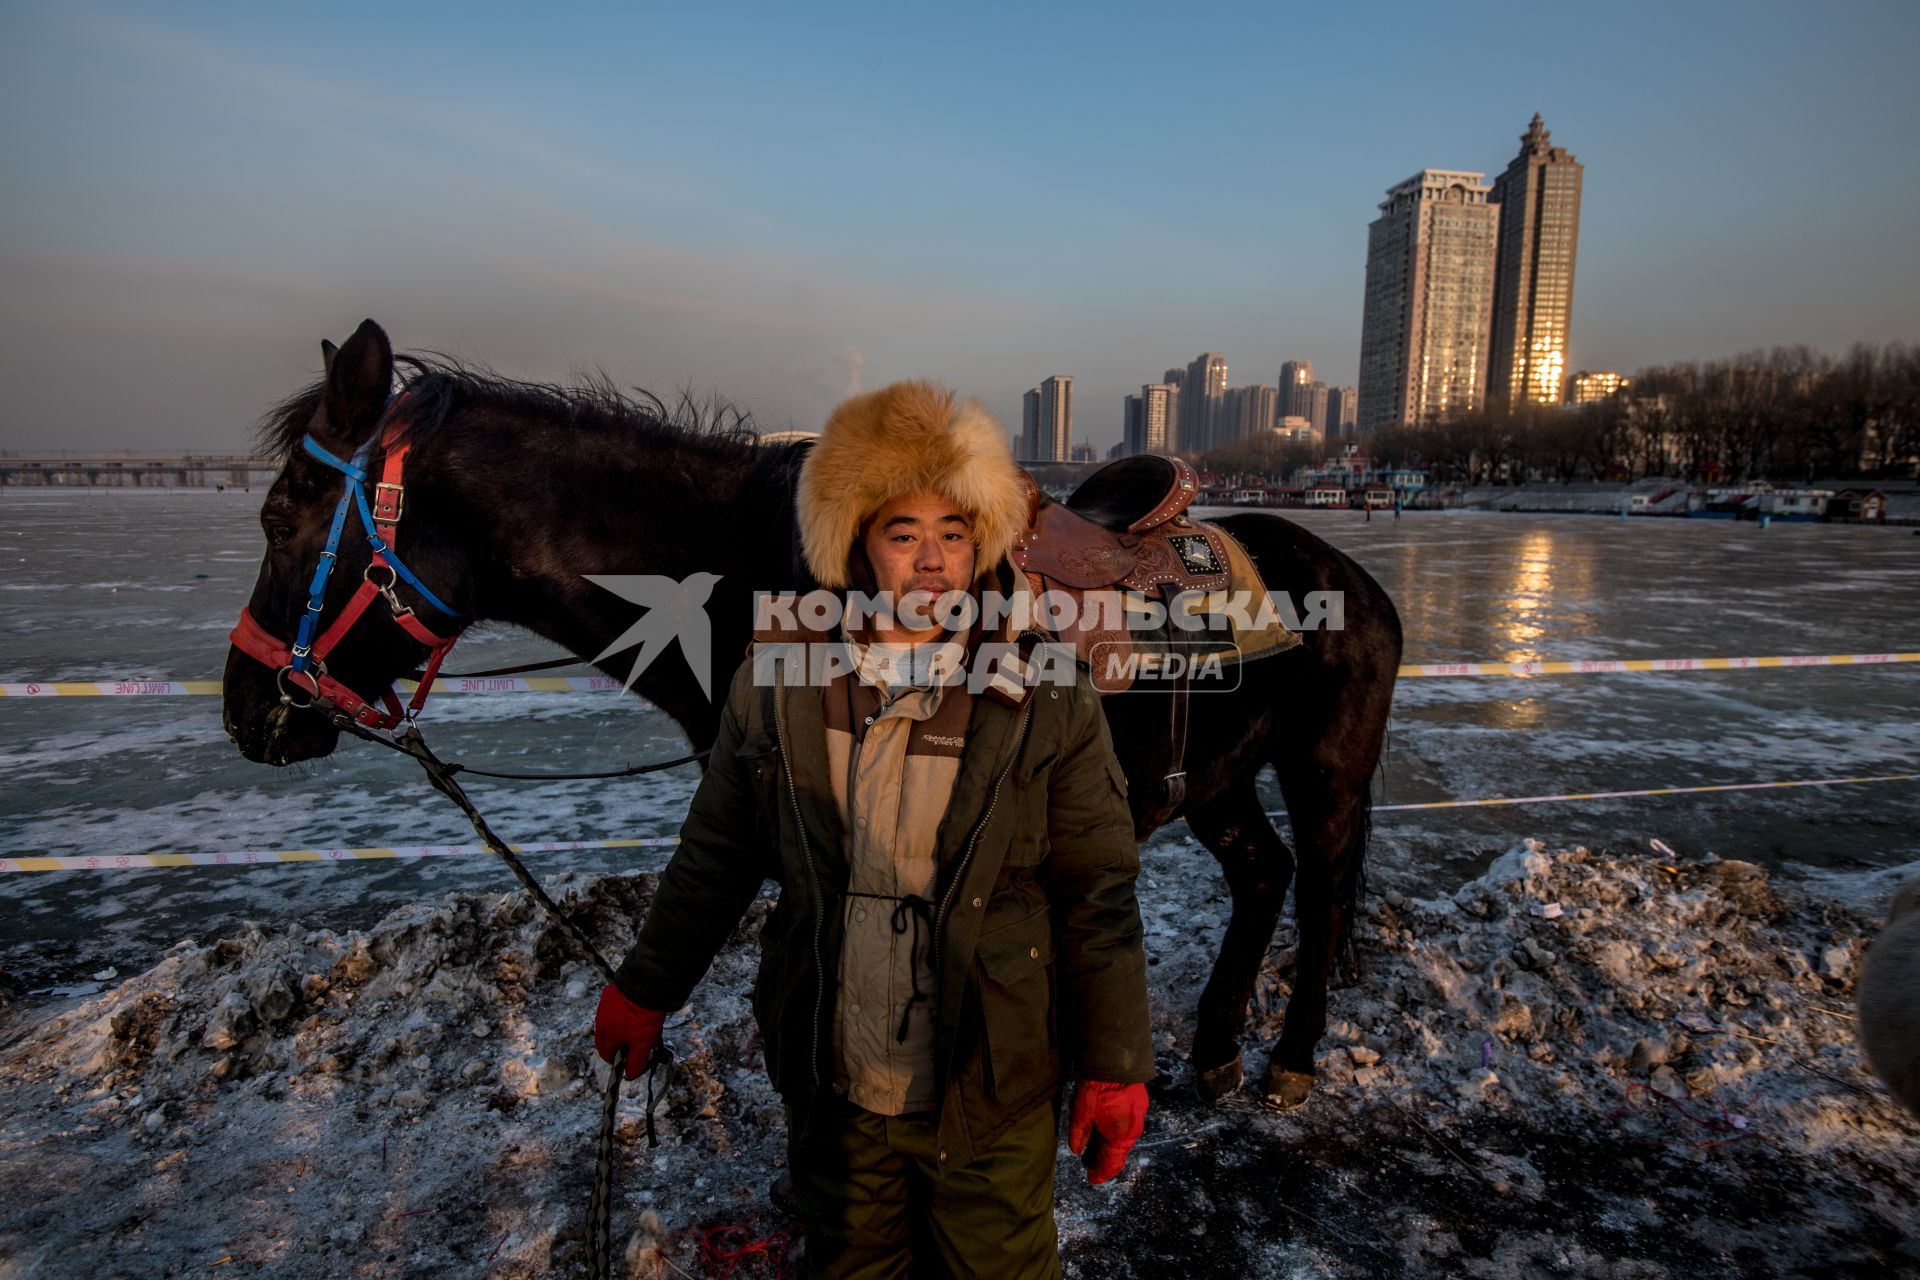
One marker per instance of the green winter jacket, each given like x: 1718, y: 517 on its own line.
x: 1037, y: 937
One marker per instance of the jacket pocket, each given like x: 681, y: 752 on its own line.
x: 760, y: 764
x: 1017, y: 1008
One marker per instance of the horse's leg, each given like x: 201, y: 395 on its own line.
x: 1329, y: 810
x: 1258, y: 866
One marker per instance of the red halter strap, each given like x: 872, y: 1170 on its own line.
x: 322, y: 690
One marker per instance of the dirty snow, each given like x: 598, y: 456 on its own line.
x: 1576, y: 1064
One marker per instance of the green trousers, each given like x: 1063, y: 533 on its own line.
x: 878, y: 1207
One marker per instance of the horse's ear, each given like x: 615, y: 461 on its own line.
x: 327, y: 352
x: 359, y: 379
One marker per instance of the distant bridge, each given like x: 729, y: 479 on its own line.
x: 137, y: 471
x: 237, y: 471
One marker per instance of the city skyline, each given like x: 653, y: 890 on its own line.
x: 200, y: 196
x: 1468, y: 303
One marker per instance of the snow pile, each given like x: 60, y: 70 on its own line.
x: 1554, y: 983
x: 1578, y: 1063
x: 420, y: 1098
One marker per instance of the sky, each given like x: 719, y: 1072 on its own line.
x: 787, y: 204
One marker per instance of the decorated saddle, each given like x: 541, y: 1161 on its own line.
x: 1122, y: 552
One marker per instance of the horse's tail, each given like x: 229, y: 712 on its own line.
x: 1351, y: 885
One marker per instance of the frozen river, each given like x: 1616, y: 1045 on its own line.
x: 103, y: 584
x: 1513, y: 588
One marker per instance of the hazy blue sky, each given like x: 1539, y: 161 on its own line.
x: 787, y: 203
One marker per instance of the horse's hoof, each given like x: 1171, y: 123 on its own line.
x: 1216, y: 1083
x: 1288, y: 1090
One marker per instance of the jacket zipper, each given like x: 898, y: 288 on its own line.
x: 960, y: 872
x: 813, y: 874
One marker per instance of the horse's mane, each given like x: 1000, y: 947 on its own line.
x: 437, y: 383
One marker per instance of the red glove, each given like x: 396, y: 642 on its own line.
x: 619, y: 1021
x: 1113, y: 1116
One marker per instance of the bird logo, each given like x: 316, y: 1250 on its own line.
x: 675, y: 610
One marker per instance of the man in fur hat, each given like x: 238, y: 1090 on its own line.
x: 956, y: 930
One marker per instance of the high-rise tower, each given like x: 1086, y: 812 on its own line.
x: 1159, y: 401
x: 1343, y: 412
x: 1200, y: 400
x: 1176, y: 382
x: 1429, y: 300
x: 1295, y: 377
x: 1539, y: 200
x: 1056, y: 419
x: 1314, y: 402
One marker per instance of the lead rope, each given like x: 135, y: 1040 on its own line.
x: 600, y: 1202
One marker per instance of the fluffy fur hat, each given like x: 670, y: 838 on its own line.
x: 907, y: 438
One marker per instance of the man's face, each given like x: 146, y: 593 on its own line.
x: 920, y: 543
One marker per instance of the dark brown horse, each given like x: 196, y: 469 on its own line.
x: 515, y: 491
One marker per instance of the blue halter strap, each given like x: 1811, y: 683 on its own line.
x: 355, y: 495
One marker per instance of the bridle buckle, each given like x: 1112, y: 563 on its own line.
x: 388, y: 499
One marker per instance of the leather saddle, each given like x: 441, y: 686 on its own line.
x: 1123, y: 532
